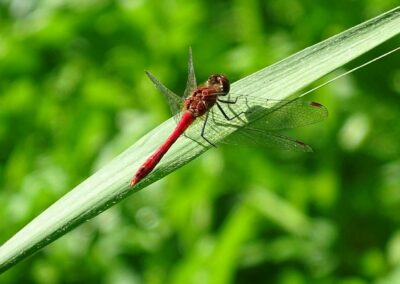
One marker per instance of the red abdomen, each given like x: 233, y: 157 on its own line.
x: 154, y: 159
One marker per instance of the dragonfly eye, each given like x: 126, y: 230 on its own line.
x: 221, y: 80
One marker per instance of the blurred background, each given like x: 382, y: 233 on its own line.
x: 73, y: 95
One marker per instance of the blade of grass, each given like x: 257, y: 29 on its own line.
x: 109, y: 185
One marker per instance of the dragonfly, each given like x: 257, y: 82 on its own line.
x: 209, y: 108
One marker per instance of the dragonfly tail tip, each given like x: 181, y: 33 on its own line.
x: 133, y: 182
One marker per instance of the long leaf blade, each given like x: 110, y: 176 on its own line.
x: 109, y: 185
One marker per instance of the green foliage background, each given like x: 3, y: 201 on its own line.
x: 73, y: 95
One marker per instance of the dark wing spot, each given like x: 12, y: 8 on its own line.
x: 315, y: 104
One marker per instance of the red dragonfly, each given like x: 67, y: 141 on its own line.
x: 254, y: 120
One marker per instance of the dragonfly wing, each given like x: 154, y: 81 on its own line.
x: 276, y: 114
x: 191, y: 81
x: 258, y: 137
x: 175, y: 102
x: 292, y: 115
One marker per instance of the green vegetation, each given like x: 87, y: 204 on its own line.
x: 74, y: 95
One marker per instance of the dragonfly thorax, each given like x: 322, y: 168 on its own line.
x: 205, y: 96
x: 201, y: 100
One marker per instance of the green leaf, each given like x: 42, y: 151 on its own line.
x: 110, y: 185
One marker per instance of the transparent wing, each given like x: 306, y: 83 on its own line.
x: 257, y: 137
x: 254, y: 122
x: 271, y: 114
x: 175, y: 102
x: 292, y: 115
x: 191, y: 81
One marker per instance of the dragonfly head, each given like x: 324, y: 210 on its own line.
x: 219, y: 81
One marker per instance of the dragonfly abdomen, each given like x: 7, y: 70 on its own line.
x: 154, y: 159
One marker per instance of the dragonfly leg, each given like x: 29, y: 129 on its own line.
x: 226, y: 116
x: 228, y: 101
x: 188, y: 137
x: 203, y: 130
